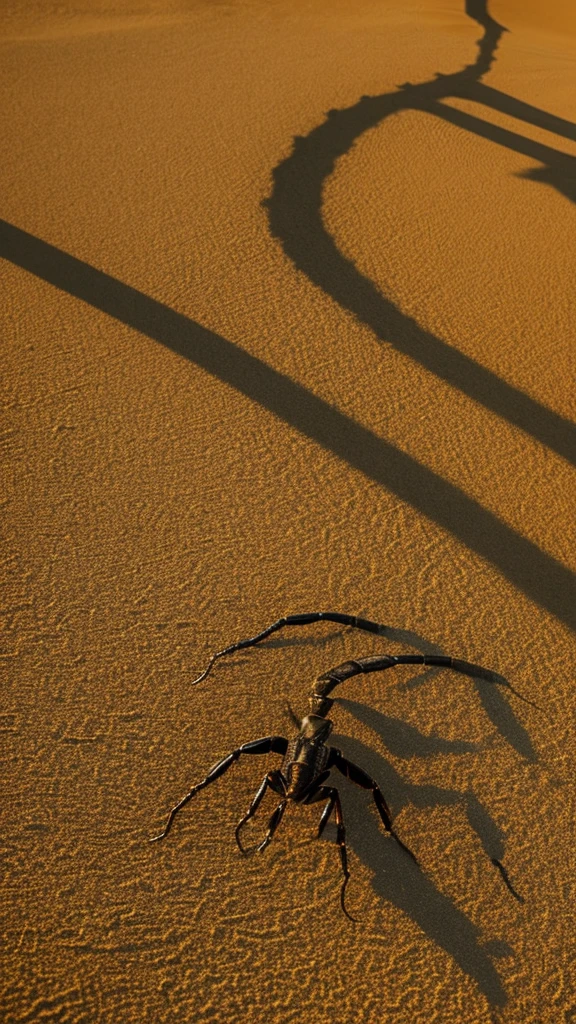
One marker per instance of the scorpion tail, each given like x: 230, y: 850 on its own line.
x: 320, y: 702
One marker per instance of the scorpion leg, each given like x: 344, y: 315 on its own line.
x: 272, y: 780
x: 333, y: 797
x: 361, y: 778
x: 275, y: 820
x: 277, y: 744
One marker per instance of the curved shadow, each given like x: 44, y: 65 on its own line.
x: 398, y: 880
x: 295, y: 218
x: 488, y: 44
x: 542, y: 578
x: 400, y: 738
x: 404, y: 741
x: 501, y: 715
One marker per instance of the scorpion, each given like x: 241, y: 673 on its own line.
x: 308, y: 760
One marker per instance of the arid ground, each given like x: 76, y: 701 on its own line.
x: 288, y: 325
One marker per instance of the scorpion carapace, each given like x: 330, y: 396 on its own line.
x: 307, y: 759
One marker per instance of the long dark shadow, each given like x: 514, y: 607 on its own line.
x: 542, y: 578
x: 295, y: 216
x: 496, y: 100
x: 553, y: 159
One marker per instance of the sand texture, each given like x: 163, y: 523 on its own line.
x: 288, y: 324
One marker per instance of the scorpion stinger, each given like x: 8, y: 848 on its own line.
x: 307, y: 758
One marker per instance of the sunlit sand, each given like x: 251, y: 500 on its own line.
x: 288, y: 325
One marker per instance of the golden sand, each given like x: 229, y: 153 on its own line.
x: 284, y: 333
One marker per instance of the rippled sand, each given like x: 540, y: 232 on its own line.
x: 288, y: 325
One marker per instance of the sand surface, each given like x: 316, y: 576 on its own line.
x: 288, y: 324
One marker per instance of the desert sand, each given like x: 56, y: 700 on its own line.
x: 288, y: 325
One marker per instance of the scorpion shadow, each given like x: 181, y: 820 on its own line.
x: 491, y: 697
x: 395, y: 877
x: 295, y: 219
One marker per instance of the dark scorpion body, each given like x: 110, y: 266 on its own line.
x: 307, y: 759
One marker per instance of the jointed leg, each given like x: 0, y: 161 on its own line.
x: 360, y: 777
x: 332, y: 795
x: 277, y: 744
x: 275, y: 820
x: 272, y: 780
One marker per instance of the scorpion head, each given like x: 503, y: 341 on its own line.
x: 315, y: 728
